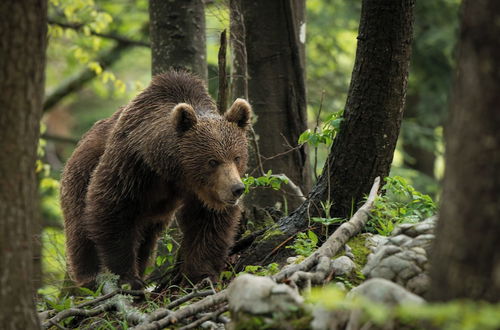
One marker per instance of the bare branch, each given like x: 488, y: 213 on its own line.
x: 111, y: 35
x: 187, y: 311
x: 211, y: 316
x: 77, y: 81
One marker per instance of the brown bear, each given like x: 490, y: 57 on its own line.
x: 167, y: 152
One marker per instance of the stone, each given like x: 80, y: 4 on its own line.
x: 419, y: 284
x: 399, y: 239
x: 402, y: 258
x: 343, y: 266
x: 380, y: 290
x: 258, y: 295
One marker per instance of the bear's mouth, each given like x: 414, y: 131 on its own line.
x: 232, y: 202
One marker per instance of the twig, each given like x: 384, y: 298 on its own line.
x: 211, y: 316
x: 188, y: 297
x: 283, y: 153
x: 222, y: 97
x: 163, y: 312
x: 296, y: 189
x: 79, y: 311
x: 119, y: 301
x: 187, y: 311
x: 113, y: 36
x: 257, y: 150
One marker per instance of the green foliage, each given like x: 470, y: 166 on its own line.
x: 269, y: 180
x: 327, y: 220
x: 268, y: 270
x: 305, y: 243
x: 400, y: 203
x: 454, y: 315
x: 326, y: 134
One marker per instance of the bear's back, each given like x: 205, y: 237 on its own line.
x: 174, y: 87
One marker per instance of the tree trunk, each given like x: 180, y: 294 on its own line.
x: 466, y: 258
x: 23, y: 29
x: 178, y: 36
x: 365, y: 145
x: 274, y: 39
x: 415, y: 155
x: 239, y: 74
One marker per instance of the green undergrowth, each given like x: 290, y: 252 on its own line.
x: 400, y: 203
x: 295, y: 318
x: 453, y: 315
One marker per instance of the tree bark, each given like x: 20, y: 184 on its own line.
x: 239, y: 66
x: 365, y: 145
x: 23, y: 29
x: 178, y: 36
x: 274, y: 40
x: 466, y: 259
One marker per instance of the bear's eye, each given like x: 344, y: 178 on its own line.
x: 237, y: 159
x: 213, y: 163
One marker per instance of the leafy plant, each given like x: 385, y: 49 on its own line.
x: 270, y: 269
x: 400, y: 203
x: 305, y: 243
x: 268, y: 180
x: 327, y: 220
x: 326, y: 134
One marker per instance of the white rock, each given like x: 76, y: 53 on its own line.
x: 384, y: 291
x: 343, y: 266
x: 261, y: 295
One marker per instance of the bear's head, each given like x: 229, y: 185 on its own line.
x: 213, y: 152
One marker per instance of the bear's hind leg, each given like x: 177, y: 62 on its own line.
x: 83, y: 260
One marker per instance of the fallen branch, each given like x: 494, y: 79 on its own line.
x: 185, y: 312
x: 210, y: 316
x: 121, y: 302
x: 80, y: 311
x: 338, y: 239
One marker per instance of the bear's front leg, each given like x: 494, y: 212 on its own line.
x: 208, y: 236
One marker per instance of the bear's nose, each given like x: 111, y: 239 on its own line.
x: 238, y: 189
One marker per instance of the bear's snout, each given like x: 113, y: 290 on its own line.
x: 238, y: 189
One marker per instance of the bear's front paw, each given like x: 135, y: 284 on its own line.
x: 135, y: 282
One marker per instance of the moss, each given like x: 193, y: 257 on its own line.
x: 360, y: 252
x: 270, y: 233
x: 297, y: 320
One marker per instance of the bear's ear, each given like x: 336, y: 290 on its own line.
x: 184, y: 117
x: 239, y: 113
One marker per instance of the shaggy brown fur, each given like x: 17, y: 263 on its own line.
x: 167, y: 150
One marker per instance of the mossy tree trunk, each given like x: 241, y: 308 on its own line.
x: 23, y: 35
x: 466, y: 259
x: 178, y: 36
x: 274, y: 38
x: 365, y: 146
